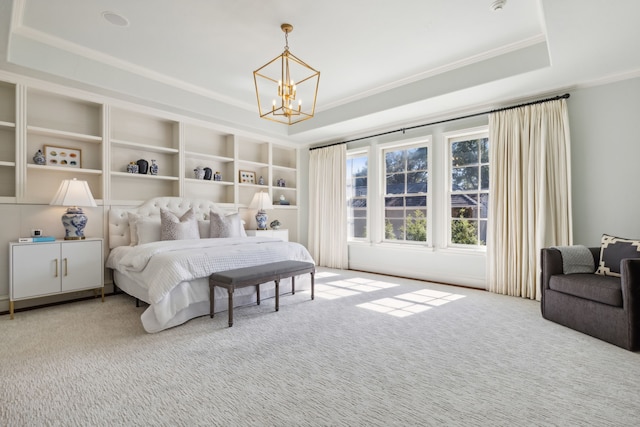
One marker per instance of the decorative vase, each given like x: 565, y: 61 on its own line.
x: 132, y: 167
x: 207, y: 173
x: 39, y: 158
x: 198, y: 173
x: 217, y: 176
x: 261, y: 219
x: 153, y: 169
x: 143, y: 166
x: 261, y: 180
x: 74, y: 220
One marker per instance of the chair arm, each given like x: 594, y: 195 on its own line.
x: 551, y: 259
x: 630, y: 281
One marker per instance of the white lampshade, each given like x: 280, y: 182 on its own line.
x: 73, y: 193
x: 261, y: 201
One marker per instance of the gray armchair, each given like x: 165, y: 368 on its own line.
x: 604, y: 307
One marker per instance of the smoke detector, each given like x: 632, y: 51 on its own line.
x: 497, y: 4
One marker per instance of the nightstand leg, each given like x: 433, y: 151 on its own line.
x: 11, y: 310
x: 103, y: 294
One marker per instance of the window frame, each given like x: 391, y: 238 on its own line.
x: 449, y: 138
x: 425, y: 141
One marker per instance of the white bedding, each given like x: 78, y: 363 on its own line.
x: 175, y: 273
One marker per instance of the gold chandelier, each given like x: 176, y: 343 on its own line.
x: 286, y: 87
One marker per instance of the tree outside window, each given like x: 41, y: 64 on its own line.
x: 469, y: 192
x: 405, y: 201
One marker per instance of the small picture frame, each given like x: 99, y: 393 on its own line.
x: 63, y: 156
x: 247, y: 177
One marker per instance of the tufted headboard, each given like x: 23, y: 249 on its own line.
x: 119, y: 233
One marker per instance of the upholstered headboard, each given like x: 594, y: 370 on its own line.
x: 119, y: 233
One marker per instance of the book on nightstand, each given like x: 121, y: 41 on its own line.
x: 36, y: 239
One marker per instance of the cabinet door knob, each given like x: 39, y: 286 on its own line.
x: 66, y: 267
x: 56, y: 274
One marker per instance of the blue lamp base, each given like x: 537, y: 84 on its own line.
x: 261, y: 219
x: 74, y: 221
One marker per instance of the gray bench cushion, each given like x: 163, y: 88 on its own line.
x: 594, y: 287
x: 258, y: 272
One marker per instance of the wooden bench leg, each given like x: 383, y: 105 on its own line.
x: 212, y: 299
x: 312, y: 283
x: 230, y: 306
x: 277, y: 294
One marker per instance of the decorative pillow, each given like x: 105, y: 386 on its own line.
x: 148, y: 230
x: 174, y: 228
x: 226, y: 225
x: 204, y: 226
x: 612, y: 251
x: 133, y: 229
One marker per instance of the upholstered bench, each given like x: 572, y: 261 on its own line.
x: 257, y: 274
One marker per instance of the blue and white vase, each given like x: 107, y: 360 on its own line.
x: 39, y: 158
x: 198, y: 172
x: 132, y: 167
x: 153, y: 169
x: 261, y: 219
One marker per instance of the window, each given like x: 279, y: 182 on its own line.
x: 357, y: 188
x: 405, y: 193
x: 469, y: 189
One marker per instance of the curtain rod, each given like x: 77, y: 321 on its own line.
x: 403, y: 130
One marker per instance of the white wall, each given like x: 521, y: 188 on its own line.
x: 605, y: 156
x: 605, y: 133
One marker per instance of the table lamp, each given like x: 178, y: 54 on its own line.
x: 74, y: 194
x: 261, y: 201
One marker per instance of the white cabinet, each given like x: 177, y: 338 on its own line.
x: 49, y: 268
x: 280, y: 233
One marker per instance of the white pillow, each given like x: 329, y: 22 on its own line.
x: 133, y: 229
x: 174, y: 228
x: 148, y: 230
x: 204, y: 226
x: 226, y: 225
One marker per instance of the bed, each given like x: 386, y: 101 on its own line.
x: 172, y: 276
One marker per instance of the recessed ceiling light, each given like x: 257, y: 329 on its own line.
x: 115, y: 19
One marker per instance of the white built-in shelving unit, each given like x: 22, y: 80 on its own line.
x: 111, y: 134
x: 7, y: 142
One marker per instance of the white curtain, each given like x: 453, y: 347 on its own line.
x: 328, y: 206
x: 530, y: 187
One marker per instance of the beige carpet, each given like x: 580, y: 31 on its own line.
x: 369, y: 351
